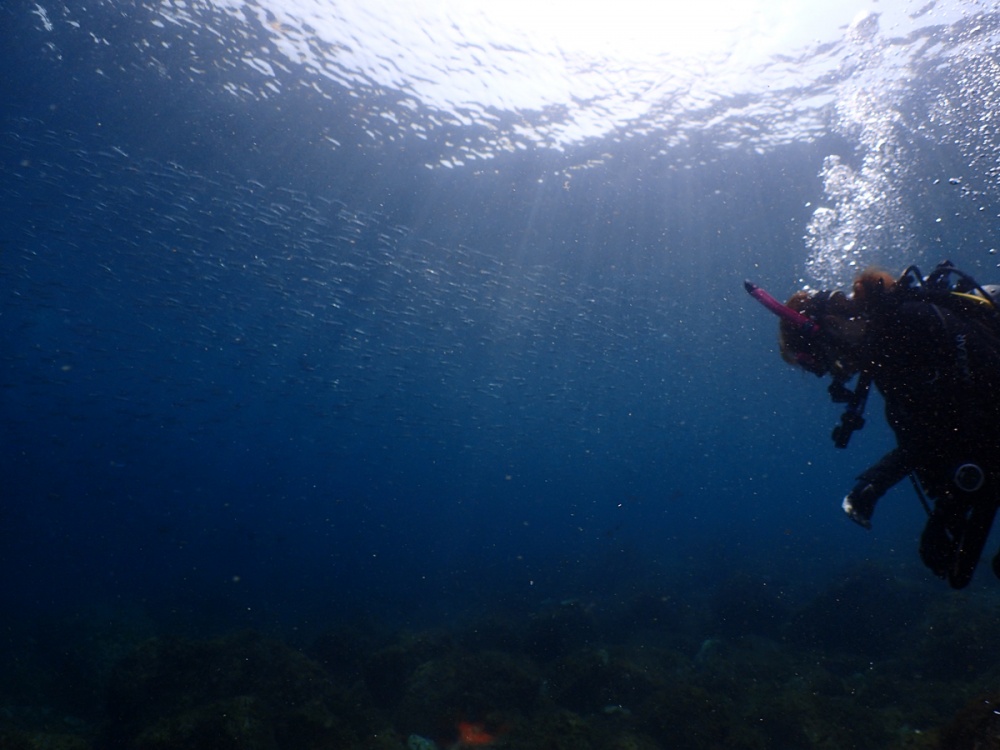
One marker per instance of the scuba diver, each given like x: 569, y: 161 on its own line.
x: 931, y: 346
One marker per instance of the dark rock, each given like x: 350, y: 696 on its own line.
x: 494, y: 687
x: 747, y: 605
x: 975, y: 727
x: 863, y: 614
x: 243, y: 689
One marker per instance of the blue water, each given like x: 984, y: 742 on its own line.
x: 269, y: 362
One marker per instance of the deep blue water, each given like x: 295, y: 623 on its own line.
x: 253, y: 379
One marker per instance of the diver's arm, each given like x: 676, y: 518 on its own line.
x: 859, y: 505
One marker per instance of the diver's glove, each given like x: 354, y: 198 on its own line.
x: 860, y: 503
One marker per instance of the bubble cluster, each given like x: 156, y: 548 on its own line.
x: 864, y: 220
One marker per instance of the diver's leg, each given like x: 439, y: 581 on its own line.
x: 971, y: 541
x: 937, y: 548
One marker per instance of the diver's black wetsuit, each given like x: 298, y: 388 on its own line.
x: 939, y: 372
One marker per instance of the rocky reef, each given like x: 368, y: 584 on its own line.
x: 743, y: 668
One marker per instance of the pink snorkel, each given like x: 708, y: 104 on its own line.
x: 804, y: 323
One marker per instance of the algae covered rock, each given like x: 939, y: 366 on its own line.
x: 386, y: 670
x: 975, y: 727
x: 957, y: 639
x: 242, y: 691
x: 493, y: 686
x: 590, y: 680
x: 745, y: 605
x: 863, y: 614
x: 559, y: 629
x: 241, y: 723
x: 20, y: 740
